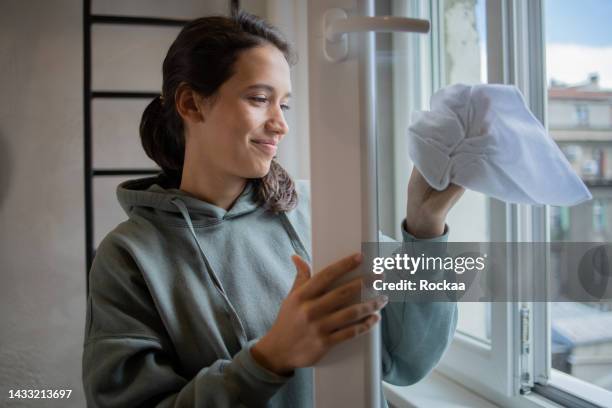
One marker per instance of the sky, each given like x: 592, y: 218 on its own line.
x: 578, y: 39
x: 586, y: 22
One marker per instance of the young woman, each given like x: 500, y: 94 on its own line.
x: 204, y: 297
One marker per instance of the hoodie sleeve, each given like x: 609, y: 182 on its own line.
x: 129, y: 360
x: 415, y: 335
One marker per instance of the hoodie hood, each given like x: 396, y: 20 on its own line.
x: 158, y: 193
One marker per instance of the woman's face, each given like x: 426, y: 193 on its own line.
x: 244, y: 122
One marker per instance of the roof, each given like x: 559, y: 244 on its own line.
x: 577, y: 324
x: 576, y: 93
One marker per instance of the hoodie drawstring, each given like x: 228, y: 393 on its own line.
x: 238, y: 326
x: 296, y: 242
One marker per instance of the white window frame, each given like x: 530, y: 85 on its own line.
x: 343, y: 197
x: 517, y: 361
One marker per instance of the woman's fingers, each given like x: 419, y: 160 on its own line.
x: 303, y: 272
x: 451, y: 191
x: 353, y: 330
x: 349, y: 315
x: 322, y: 281
x: 335, y: 299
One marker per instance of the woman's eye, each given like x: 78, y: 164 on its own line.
x: 262, y: 99
x: 259, y: 99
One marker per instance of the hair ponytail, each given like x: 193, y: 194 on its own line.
x: 163, y: 145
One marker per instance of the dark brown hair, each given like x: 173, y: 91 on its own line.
x: 203, y: 57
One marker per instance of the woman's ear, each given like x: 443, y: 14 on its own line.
x: 189, y: 104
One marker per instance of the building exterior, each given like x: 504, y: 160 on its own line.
x: 580, y: 121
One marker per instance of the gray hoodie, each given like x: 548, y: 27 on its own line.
x: 180, y: 291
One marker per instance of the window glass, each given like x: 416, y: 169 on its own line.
x: 579, y: 70
x: 406, y: 73
x: 463, y: 50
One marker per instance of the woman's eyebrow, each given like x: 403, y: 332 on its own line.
x: 266, y: 87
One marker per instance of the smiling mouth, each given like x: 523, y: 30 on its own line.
x: 269, y: 148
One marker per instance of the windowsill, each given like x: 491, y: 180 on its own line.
x: 437, y: 390
x: 434, y: 391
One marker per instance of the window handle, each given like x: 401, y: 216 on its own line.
x: 337, y: 24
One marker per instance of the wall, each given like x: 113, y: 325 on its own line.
x: 42, y: 265
x: 563, y: 114
x: 42, y: 295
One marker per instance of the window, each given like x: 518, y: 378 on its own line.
x: 502, y: 350
x: 410, y: 69
x: 515, y: 353
x: 405, y: 85
x: 581, y: 333
x: 582, y: 114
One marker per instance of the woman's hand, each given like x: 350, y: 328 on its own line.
x: 314, y: 317
x: 427, y: 208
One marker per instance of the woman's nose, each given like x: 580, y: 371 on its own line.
x: 277, y: 123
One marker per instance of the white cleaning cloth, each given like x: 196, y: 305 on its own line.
x: 484, y: 138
